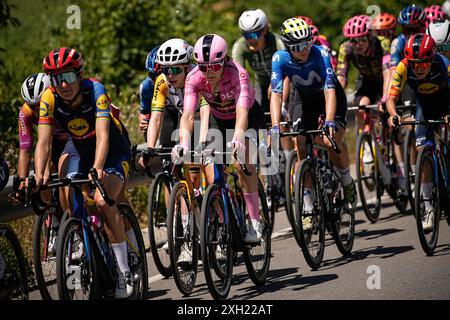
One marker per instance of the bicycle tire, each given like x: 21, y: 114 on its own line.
x: 185, y: 274
x: 156, y: 224
x: 372, y: 212
x: 408, y: 143
x: 218, y: 288
x: 317, y: 216
x: 89, y: 278
x: 46, y: 283
x: 137, y: 261
x: 259, y: 274
x: 14, y: 278
x: 428, y: 246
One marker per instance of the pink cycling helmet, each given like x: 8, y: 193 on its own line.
x: 314, y: 33
x: 210, y: 48
x: 357, y: 26
x: 434, y: 13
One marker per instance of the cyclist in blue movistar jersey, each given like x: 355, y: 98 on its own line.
x: 310, y: 71
x: 146, y: 89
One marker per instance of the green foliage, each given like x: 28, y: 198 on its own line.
x: 116, y: 35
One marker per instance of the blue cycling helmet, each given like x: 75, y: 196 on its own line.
x: 150, y: 63
x: 412, y: 16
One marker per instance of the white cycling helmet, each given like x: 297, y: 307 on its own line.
x: 33, y: 87
x: 174, y: 51
x: 440, y: 31
x: 252, y: 20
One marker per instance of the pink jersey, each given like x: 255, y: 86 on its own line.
x: 235, y: 89
x: 27, y: 121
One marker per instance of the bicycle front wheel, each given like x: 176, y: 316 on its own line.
x: 183, y: 240
x: 368, y: 177
x: 158, y: 203
x: 309, y: 214
x: 13, y: 270
x: 76, y: 272
x: 215, y: 241
x: 409, y: 153
x: 257, y: 257
x: 427, y: 201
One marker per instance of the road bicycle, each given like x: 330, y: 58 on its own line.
x: 329, y: 210
x: 85, y: 262
x: 223, y: 228
x: 433, y: 160
x: 13, y: 271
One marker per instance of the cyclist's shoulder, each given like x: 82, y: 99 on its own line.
x: 384, y: 42
x: 25, y: 111
x: 48, y: 96
x: 281, y: 56
x: 240, y: 45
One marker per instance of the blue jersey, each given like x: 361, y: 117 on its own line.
x: 145, y: 95
x: 311, y: 77
x: 397, y: 50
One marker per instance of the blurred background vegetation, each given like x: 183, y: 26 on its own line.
x: 116, y: 35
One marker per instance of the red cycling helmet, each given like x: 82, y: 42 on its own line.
x: 434, y: 13
x: 306, y: 19
x: 384, y: 21
x: 420, y: 48
x: 314, y: 34
x: 357, y: 26
x: 61, y: 58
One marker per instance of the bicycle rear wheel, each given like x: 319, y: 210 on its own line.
x: 257, y: 257
x: 157, y: 222
x: 44, y: 254
x: 342, y: 220
x: 368, y: 177
x: 137, y: 257
x: 76, y: 272
x: 428, y: 238
x: 215, y: 241
x: 309, y: 226
x: 183, y: 239
x: 13, y: 271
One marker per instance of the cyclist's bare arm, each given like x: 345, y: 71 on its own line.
x: 42, y: 152
x: 154, y: 128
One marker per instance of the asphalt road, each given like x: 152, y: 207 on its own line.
x: 389, y: 248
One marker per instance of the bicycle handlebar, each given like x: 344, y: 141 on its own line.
x: 316, y: 132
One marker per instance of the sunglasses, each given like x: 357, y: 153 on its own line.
x: 213, y: 67
x: 299, y: 47
x: 68, y: 77
x: 358, y: 40
x: 420, y: 65
x: 443, y: 47
x: 252, y: 35
x: 172, y: 70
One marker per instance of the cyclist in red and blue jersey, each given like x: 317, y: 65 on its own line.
x: 82, y: 108
x: 309, y: 70
x: 412, y: 20
x: 428, y: 75
x: 146, y: 89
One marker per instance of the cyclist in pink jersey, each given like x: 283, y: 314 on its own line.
x: 226, y: 87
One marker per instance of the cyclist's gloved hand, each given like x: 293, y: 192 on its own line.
x: 381, y: 103
x: 177, y: 153
x: 238, y: 148
x: 331, y: 127
x: 200, y: 147
x: 394, y: 121
x: 145, y: 156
